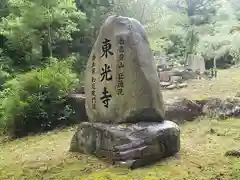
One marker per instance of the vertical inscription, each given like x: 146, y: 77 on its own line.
x: 120, y: 67
x: 106, y: 72
x: 93, y: 89
x: 106, y: 48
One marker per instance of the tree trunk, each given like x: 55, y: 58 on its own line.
x: 49, y: 40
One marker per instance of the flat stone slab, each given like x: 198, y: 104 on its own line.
x: 133, y: 145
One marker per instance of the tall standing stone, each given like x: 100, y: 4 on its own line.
x: 121, y: 82
x: 162, y: 62
x: 122, y: 86
x: 196, y: 63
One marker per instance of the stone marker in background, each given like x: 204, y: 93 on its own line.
x: 164, y: 76
x: 123, y: 99
x: 162, y: 60
x: 161, y: 63
x: 196, y: 63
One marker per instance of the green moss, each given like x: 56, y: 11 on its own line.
x: 201, y: 156
x: 203, y: 145
x: 236, y: 168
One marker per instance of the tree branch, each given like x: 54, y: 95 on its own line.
x: 205, y: 4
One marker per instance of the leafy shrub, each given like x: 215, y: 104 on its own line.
x: 178, y: 45
x: 224, y: 48
x: 79, y: 64
x: 34, y: 101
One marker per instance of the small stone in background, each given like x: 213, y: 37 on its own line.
x: 164, y: 76
x: 182, y: 85
x: 172, y: 86
x: 176, y: 79
x: 234, y: 153
x: 165, y: 84
x: 238, y: 94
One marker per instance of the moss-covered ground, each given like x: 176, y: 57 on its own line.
x: 203, y: 145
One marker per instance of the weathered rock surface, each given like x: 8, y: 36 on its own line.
x: 80, y: 90
x: 177, y: 109
x: 77, y: 101
x: 162, y: 62
x: 187, y: 75
x: 121, y: 76
x: 164, y: 76
x: 134, y: 145
x: 196, y: 63
x: 222, y: 108
x: 184, y: 109
x: 165, y: 84
x: 123, y: 101
x: 181, y: 109
x: 182, y: 85
x: 233, y: 153
x: 176, y: 73
x: 172, y: 86
x: 176, y: 78
x: 238, y: 94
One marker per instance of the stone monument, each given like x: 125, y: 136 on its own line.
x: 124, y: 103
x: 196, y: 63
x: 162, y: 63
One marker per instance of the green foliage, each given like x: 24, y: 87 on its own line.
x: 34, y: 29
x: 223, y: 43
x: 138, y: 9
x: 212, y: 31
x: 4, y: 11
x: 33, y: 33
x: 5, y: 69
x: 34, y: 101
x: 96, y: 11
x: 197, y: 13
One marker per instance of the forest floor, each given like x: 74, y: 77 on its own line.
x: 201, y: 156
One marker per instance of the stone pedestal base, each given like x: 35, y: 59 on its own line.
x: 134, y: 145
